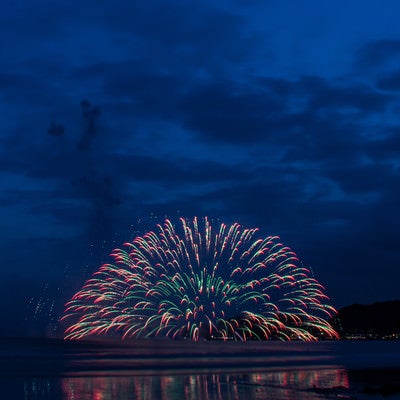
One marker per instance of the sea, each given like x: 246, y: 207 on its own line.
x: 37, y: 368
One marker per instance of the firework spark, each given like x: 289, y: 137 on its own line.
x: 195, y: 282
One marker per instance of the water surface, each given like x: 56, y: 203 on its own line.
x: 50, y: 369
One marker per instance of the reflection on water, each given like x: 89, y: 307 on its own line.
x: 288, y: 385
x: 41, y: 369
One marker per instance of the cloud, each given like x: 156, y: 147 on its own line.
x: 378, y: 53
x: 359, y: 98
x: 20, y: 85
x: 279, y: 110
x: 390, y: 82
x: 385, y: 148
x: 228, y: 113
x: 363, y: 179
x: 197, y: 118
x: 197, y: 33
x: 175, y: 172
x: 147, y: 94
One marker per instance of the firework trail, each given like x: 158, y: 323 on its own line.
x: 195, y: 282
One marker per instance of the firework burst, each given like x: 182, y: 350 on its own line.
x: 194, y: 281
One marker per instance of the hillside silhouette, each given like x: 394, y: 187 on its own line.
x: 377, y: 319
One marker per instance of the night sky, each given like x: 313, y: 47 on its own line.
x: 281, y: 115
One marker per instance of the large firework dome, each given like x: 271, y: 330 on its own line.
x: 191, y: 280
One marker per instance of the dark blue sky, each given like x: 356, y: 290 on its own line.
x: 278, y: 115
